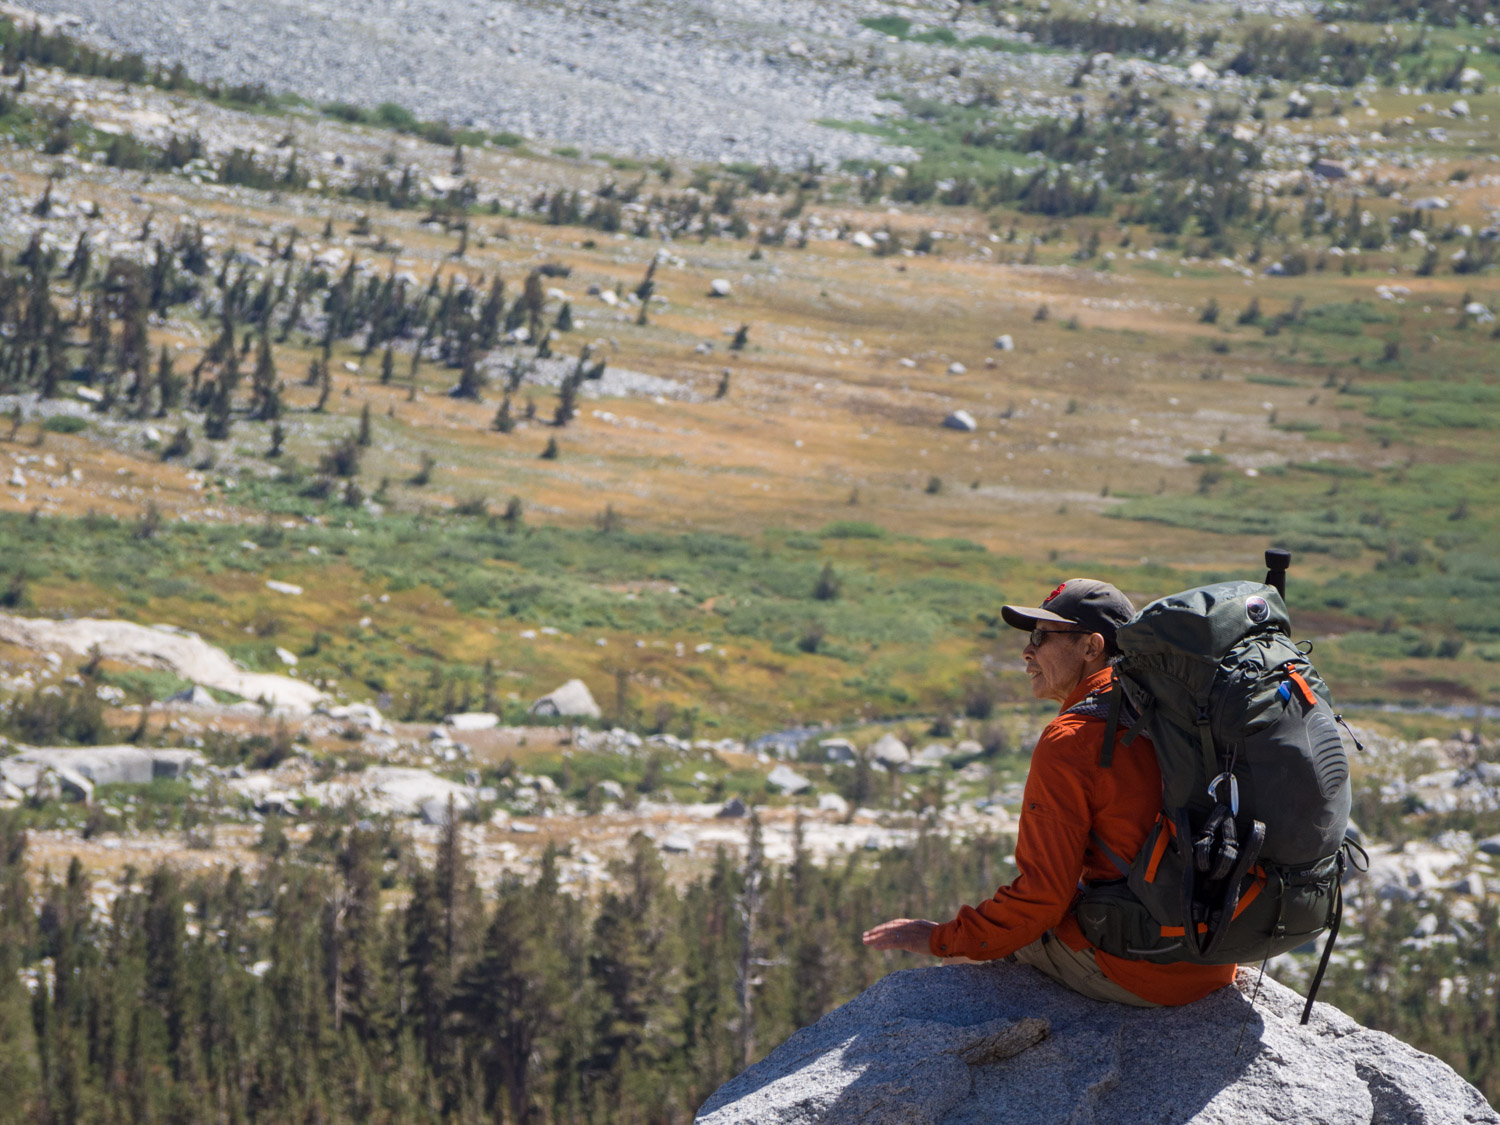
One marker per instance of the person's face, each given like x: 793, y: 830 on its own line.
x: 1056, y: 665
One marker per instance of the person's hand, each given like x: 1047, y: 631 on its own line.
x: 910, y: 934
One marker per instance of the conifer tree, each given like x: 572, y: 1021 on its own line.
x: 504, y: 420
x: 168, y: 384
x: 636, y: 965
x: 265, y: 401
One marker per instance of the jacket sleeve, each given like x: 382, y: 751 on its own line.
x: 1053, y: 836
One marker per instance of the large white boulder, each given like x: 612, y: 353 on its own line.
x: 102, y: 765
x: 889, y: 750
x: 572, y: 700
x: 398, y: 790
x: 1000, y: 1043
x: 1200, y: 73
x: 962, y: 421
x: 473, y: 720
x: 787, y: 780
x: 833, y: 803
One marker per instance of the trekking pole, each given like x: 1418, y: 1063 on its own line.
x: 1277, y: 560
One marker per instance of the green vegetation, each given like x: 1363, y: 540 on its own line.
x: 903, y: 607
x: 1063, y: 167
x: 1425, y: 567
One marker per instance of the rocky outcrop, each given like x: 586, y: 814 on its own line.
x: 996, y: 1044
x: 79, y: 769
x: 160, y: 646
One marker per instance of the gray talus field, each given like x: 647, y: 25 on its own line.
x: 746, y: 81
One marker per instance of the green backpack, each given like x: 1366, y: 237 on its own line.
x: 1247, y: 857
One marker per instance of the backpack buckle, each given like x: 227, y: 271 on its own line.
x: 1234, y: 791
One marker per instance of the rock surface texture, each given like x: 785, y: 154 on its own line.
x: 968, y: 1044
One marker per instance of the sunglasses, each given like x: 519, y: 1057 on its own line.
x: 1039, y: 636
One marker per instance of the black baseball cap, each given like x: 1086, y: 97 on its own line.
x: 1094, y: 605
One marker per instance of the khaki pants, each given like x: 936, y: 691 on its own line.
x: 1078, y: 971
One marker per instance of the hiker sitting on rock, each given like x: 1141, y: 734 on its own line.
x: 1075, y: 812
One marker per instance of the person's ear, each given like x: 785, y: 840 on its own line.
x: 1094, y: 647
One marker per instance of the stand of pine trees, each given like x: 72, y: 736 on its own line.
x: 351, y: 983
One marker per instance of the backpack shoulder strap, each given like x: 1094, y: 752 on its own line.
x: 1112, y: 721
x: 1112, y: 706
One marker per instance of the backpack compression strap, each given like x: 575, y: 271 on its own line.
x: 1333, y: 936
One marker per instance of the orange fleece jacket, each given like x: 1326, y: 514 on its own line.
x: 1068, y: 795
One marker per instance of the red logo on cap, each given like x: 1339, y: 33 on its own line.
x: 1054, y: 593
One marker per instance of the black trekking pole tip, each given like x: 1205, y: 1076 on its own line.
x: 1278, y: 559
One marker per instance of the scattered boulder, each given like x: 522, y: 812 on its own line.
x: 1470, y: 884
x: 1460, y: 108
x: 838, y: 750
x: 833, y: 803
x: 612, y: 789
x: 961, y: 420
x: 732, y: 810
x: 363, y: 715
x: 1004, y: 343
x: 787, y: 780
x: 1327, y: 169
x: 863, y: 240
x: 998, y: 1042
x: 195, y: 696
x: 572, y: 700
x: 1200, y: 73
x: 934, y: 753
x: 956, y: 368
x: 542, y: 784
x: 890, y: 751
x: 719, y: 287
x: 473, y: 720
x: 677, y: 844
